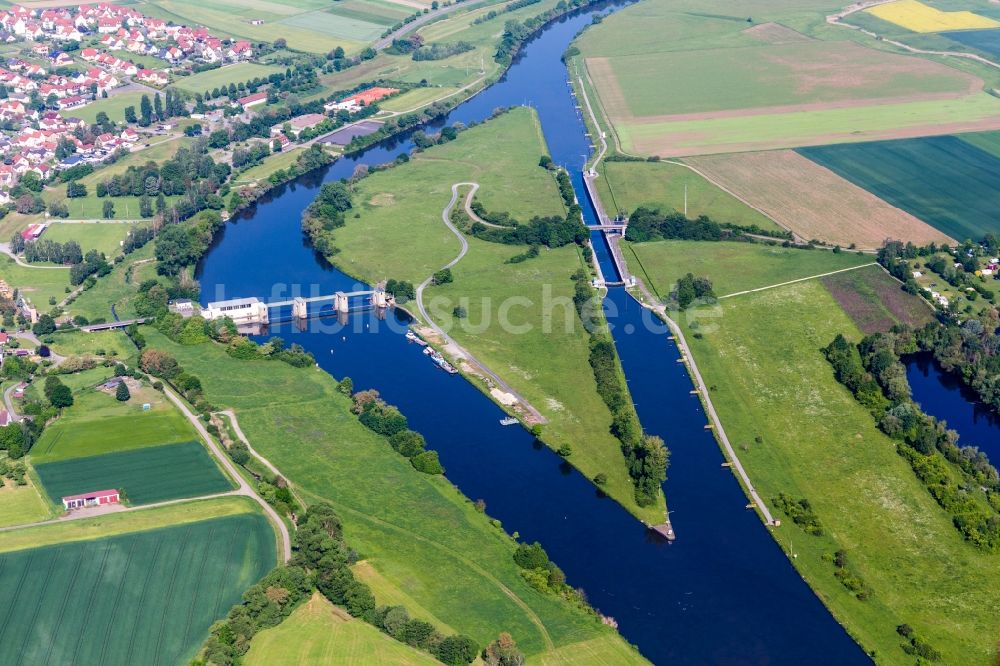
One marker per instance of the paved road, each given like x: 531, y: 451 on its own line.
x: 9, y: 403
x: 500, y: 383
x: 245, y: 488
x: 432, y: 15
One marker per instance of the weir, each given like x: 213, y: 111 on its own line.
x: 252, y: 310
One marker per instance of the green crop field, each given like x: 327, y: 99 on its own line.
x: 770, y: 380
x: 150, y: 474
x: 420, y: 533
x: 944, y: 181
x: 400, y: 234
x: 628, y: 185
x: 348, y: 26
x: 688, y: 78
x: 318, y: 633
x: 223, y: 76
x: 233, y: 18
x: 114, y: 106
x: 417, y: 97
x: 39, y: 283
x: 732, y: 267
x: 101, y: 237
x: 140, y: 598
x: 97, y: 423
x: 988, y: 141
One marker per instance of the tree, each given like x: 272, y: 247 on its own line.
x: 146, y: 111
x: 76, y: 189
x: 130, y: 116
x: 427, y: 462
x: 158, y: 106
x: 443, y: 276
x: 503, y: 652
x: 174, y: 250
x: 45, y: 325
x: 122, y: 393
x: 108, y: 209
x: 61, y: 396
x: 32, y: 181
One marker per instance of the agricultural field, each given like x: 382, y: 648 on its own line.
x: 946, y: 182
x: 769, y: 380
x: 38, y: 283
x: 97, y: 423
x: 416, y: 98
x: 628, y: 185
x: 732, y: 267
x: 420, y: 534
x: 305, y: 24
x: 147, y: 597
x: 986, y: 41
x: 919, y: 17
x: 765, y: 84
x: 104, y: 237
x: 875, y: 301
x: 318, y: 633
x: 147, y: 475
x: 223, y: 76
x: 114, y: 106
x: 812, y: 201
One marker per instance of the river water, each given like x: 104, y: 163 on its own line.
x: 723, y: 592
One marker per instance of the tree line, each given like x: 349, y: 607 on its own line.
x: 648, y: 224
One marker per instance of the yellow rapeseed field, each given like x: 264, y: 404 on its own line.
x: 918, y: 17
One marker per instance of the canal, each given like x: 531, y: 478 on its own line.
x: 723, y: 592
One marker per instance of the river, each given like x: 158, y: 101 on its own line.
x: 723, y: 592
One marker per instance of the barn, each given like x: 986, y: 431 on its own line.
x: 98, y: 498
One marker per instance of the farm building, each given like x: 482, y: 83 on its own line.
x: 358, y: 100
x: 34, y: 231
x: 98, y: 498
x: 252, y: 100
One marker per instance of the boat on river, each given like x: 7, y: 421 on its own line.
x: 509, y: 420
x: 413, y: 337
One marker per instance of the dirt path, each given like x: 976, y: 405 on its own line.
x: 811, y: 277
x: 534, y: 414
x: 835, y: 19
x: 244, y: 488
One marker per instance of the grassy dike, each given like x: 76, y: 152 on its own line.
x: 417, y: 531
x: 768, y: 378
x: 521, y: 321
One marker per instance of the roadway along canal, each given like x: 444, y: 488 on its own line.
x: 724, y: 592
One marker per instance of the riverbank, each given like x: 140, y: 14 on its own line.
x: 416, y: 530
x: 517, y: 316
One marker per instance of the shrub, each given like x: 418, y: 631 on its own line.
x: 427, y: 462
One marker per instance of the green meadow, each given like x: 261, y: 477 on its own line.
x: 769, y: 380
x: 117, y: 288
x: 399, y: 234
x: 223, y: 76
x: 145, y: 597
x: 38, y: 283
x: 97, y: 423
x: 663, y: 185
x: 731, y: 266
x: 112, y: 344
x: 318, y: 633
x: 418, y: 531
x: 103, y: 237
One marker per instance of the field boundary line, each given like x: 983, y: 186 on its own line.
x: 518, y: 601
x: 802, y: 279
x: 836, y: 19
x: 40, y: 597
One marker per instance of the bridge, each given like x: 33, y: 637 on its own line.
x: 113, y: 325
x: 254, y: 311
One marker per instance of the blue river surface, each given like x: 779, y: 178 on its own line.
x: 723, y: 592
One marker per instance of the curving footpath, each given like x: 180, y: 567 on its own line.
x: 261, y: 459
x: 504, y: 386
x: 244, y: 488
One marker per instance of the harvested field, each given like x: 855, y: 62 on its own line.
x: 946, y: 182
x: 140, y: 598
x: 801, y: 76
x: 812, y: 201
x: 875, y: 301
x: 918, y: 17
x: 775, y: 33
x: 151, y: 474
